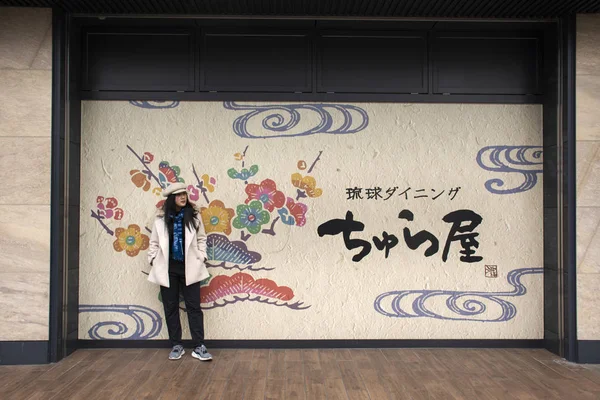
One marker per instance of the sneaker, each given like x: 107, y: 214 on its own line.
x: 201, y: 353
x: 177, y: 352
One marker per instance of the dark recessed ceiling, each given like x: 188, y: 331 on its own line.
x: 326, y: 8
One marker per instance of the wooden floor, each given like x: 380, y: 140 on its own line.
x: 305, y: 374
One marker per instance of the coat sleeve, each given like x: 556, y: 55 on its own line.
x: 153, y: 248
x: 201, y: 240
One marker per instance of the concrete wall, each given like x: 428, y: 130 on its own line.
x: 298, y: 169
x: 588, y: 177
x: 25, y: 113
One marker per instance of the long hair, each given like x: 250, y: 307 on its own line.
x: 189, y: 213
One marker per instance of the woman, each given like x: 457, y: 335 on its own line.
x: 177, y: 255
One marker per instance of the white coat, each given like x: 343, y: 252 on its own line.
x: 194, y: 251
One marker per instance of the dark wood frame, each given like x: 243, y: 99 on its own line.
x: 558, y: 102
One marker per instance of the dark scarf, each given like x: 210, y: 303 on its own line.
x: 177, y: 239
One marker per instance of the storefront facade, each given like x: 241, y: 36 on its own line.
x: 366, y: 181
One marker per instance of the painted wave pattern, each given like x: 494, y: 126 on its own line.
x: 154, y: 104
x: 524, y: 160
x: 148, y: 323
x: 220, y: 248
x: 463, y: 306
x: 279, y: 120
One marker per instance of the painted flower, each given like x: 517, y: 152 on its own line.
x: 107, y: 208
x: 267, y: 193
x: 244, y: 173
x: 293, y: 213
x: 307, y: 183
x: 148, y: 157
x: 111, y: 202
x: 209, y: 183
x: 285, y: 216
x: 193, y: 192
x: 140, y: 179
x: 251, y: 217
x: 168, y: 173
x: 130, y: 240
x: 217, y: 218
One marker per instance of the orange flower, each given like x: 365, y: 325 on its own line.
x: 131, y: 240
x: 217, y: 218
x: 140, y: 179
x: 307, y: 183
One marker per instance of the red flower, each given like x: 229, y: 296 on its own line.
x: 107, y: 208
x: 148, y: 157
x: 298, y: 211
x: 168, y: 173
x: 119, y: 214
x: 267, y: 193
x: 111, y: 202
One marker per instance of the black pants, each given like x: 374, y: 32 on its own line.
x: 170, y: 300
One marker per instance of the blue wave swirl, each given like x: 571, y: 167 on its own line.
x: 116, y: 329
x: 282, y: 118
x: 154, y: 104
x: 465, y: 306
x: 525, y: 160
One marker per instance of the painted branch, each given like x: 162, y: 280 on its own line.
x: 200, y: 185
x: 315, y: 162
x: 99, y: 219
x: 147, y: 169
x: 270, y: 231
x: 245, y: 237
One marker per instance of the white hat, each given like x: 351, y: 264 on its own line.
x: 174, y: 188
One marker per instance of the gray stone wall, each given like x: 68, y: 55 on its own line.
x: 588, y: 177
x: 25, y: 119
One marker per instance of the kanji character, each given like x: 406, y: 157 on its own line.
x: 467, y: 240
x: 346, y: 227
x: 390, y: 192
x: 388, y: 242
x: 373, y: 193
x: 354, y: 193
x: 414, y: 241
x: 418, y: 191
x: 455, y: 191
x: 405, y: 193
x: 436, y: 197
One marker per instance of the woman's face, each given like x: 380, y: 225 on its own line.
x: 181, y: 199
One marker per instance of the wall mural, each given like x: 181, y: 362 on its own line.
x: 154, y: 104
x: 259, y: 213
x: 279, y: 120
x: 463, y: 306
x: 463, y: 234
x: 323, y: 221
x: 147, y: 323
x: 525, y: 160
